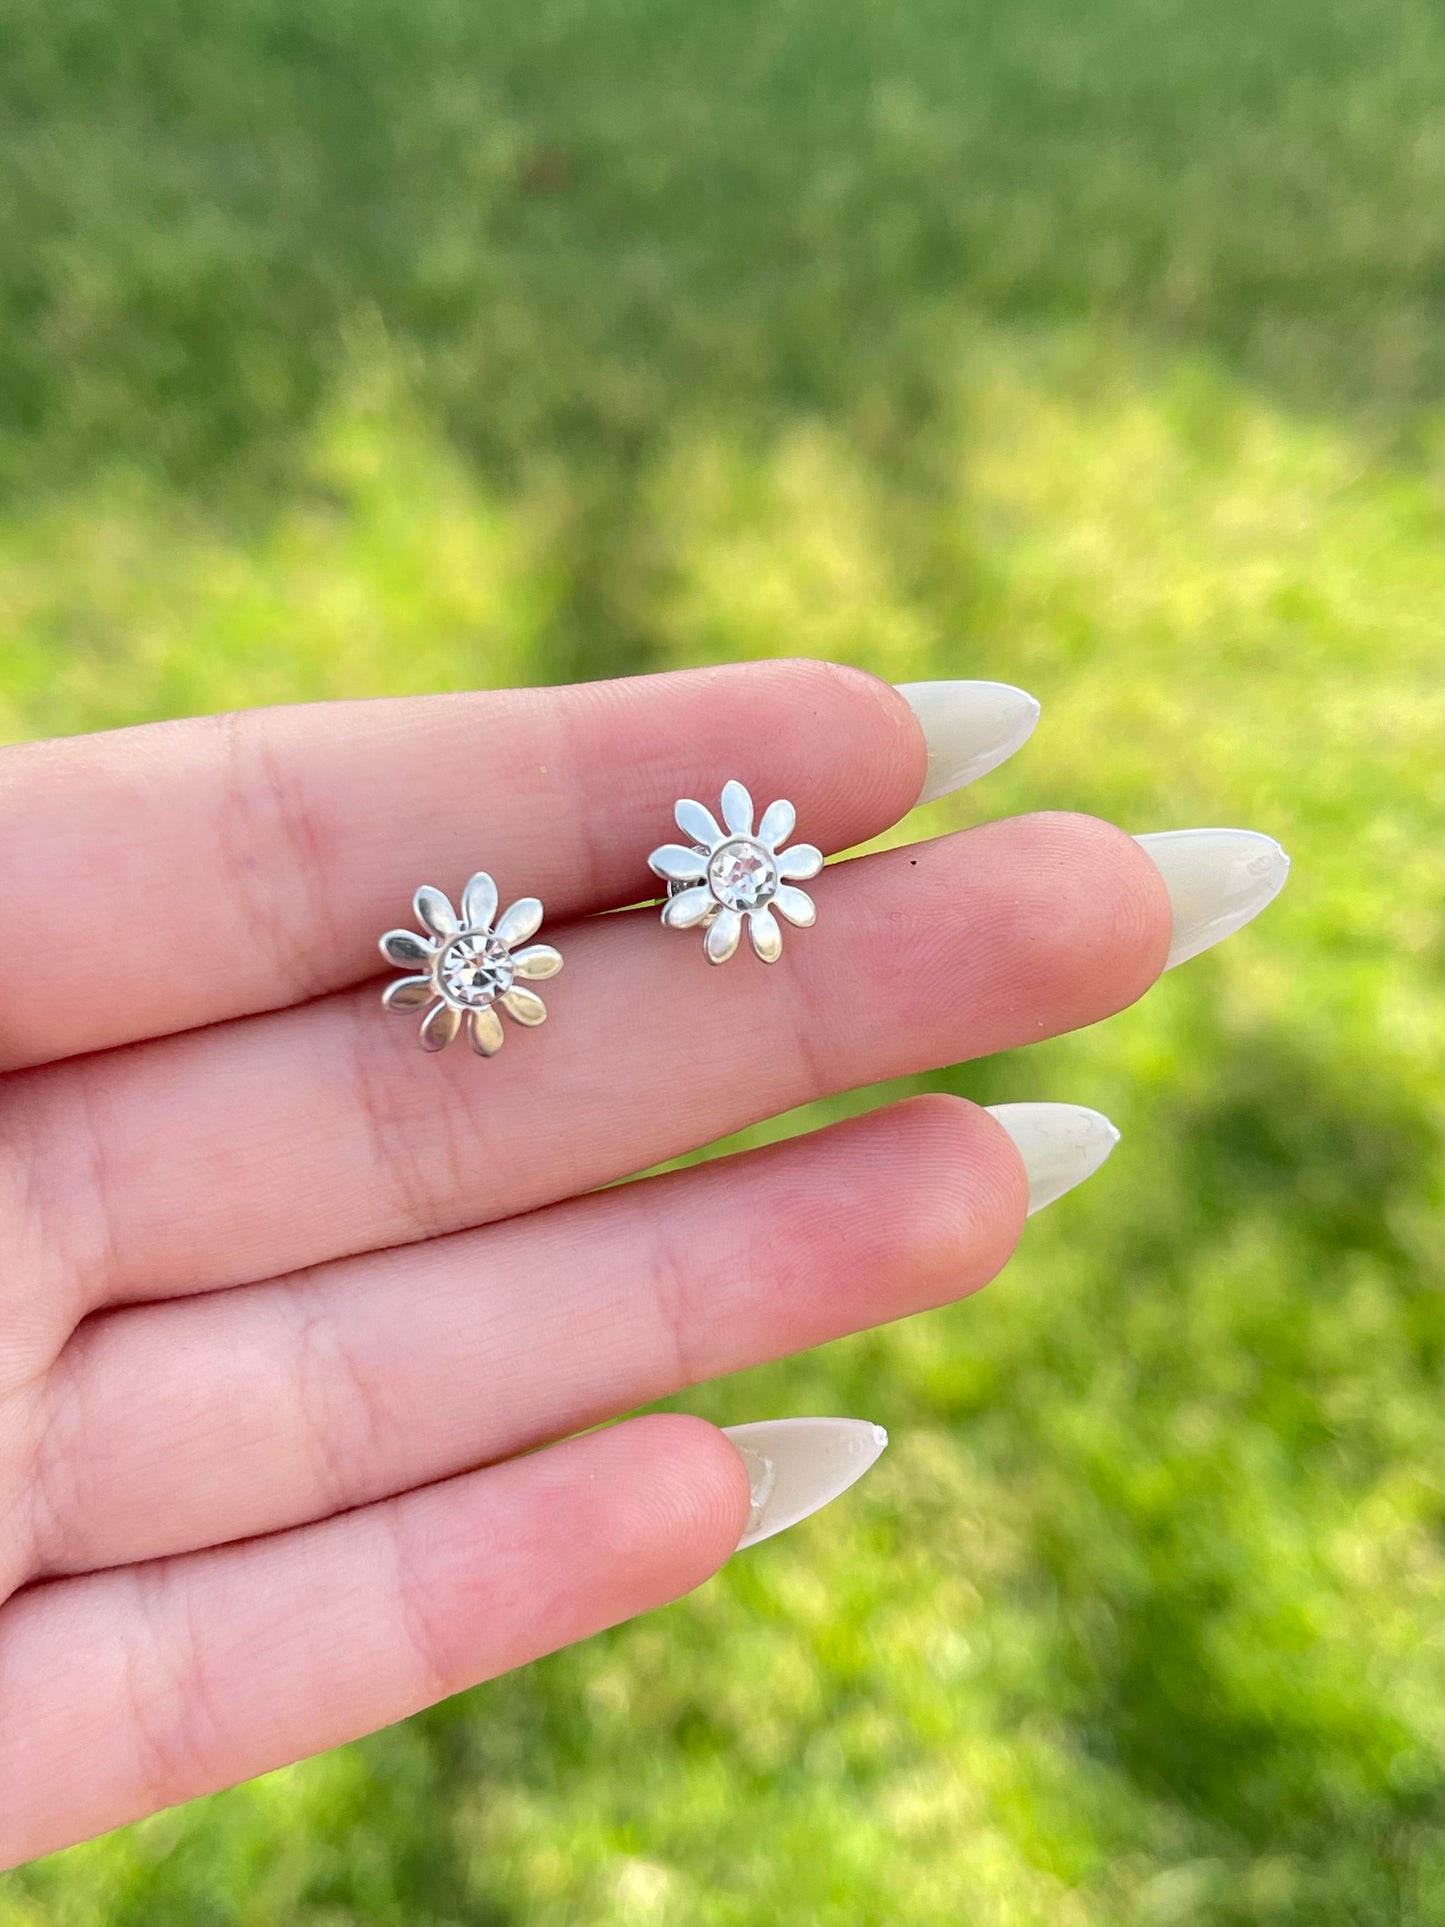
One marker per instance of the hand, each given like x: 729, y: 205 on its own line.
x: 286, y: 1301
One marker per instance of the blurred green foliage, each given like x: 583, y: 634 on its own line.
x: 364, y: 348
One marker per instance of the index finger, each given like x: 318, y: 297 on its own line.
x: 179, y: 873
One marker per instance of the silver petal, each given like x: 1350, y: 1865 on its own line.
x: 408, y: 993
x: 537, y: 962
x: 796, y: 905
x: 484, y: 1032
x: 777, y: 824
x: 799, y: 863
x: 678, y: 864
x: 737, y: 808
x: 767, y: 937
x: 514, y: 926
x: 405, y: 949
x: 435, y: 912
x: 479, y: 902
x: 722, y: 936
x: 523, y: 1006
x: 687, y: 909
x: 698, y: 823
x: 439, y: 1026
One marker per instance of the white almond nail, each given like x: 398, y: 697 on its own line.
x: 1060, y: 1144
x: 970, y: 728
x: 798, y: 1465
x: 1218, y: 881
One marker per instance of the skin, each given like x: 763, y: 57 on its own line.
x: 285, y: 1298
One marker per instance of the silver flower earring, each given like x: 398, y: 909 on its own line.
x: 724, y: 875
x: 466, y: 966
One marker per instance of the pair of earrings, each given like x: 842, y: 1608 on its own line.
x: 469, y: 965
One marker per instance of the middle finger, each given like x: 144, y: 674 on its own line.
x: 276, y: 1142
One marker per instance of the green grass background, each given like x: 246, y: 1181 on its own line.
x: 362, y: 347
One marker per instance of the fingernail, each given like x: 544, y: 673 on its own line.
x: 1218, y: 881
x: 970, y: 728
x: 798, y: 1465
x: 1060, y: 1144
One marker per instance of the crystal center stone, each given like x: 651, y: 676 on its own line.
x: 741, y: 875
x: 474, y: 971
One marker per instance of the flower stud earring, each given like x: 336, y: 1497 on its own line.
x: 468, y: 965
x: 724, y: 875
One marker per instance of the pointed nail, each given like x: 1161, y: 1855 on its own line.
x: 798, y: 1465
x: 1060, y: 1144
x: 1218, y: 881
x: 970, y: 728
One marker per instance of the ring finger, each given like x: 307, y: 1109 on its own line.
x: 280, y: 1403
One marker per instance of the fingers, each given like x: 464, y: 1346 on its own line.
x: 181, y: 873
x: 338, y: 1135
x: 130, y: 1690
x: 174, y: 1426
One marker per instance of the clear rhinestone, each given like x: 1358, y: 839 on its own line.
x: 474, y: 971
x: 741, y: 875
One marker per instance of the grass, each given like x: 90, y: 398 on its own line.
x: 365, y: 349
